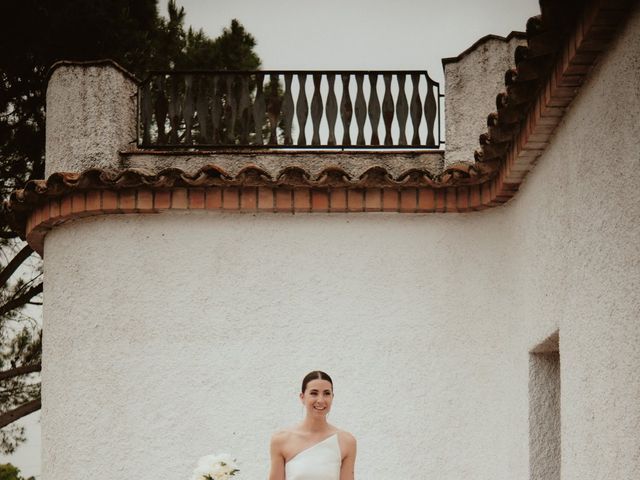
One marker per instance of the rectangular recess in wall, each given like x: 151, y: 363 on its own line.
x: 544, y: 410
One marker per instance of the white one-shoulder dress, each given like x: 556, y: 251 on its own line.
x: 321, y: 461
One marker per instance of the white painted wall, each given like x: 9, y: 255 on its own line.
x: 578, y: 256
x: 171, y: 336
x: 545, y: 445
x: 176, y: 335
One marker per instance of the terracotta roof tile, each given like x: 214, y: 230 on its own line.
x: 294, y: 176
x: 547, y: 36
x: 545, y: 79
x: 333, y: 177
x: 376, y: 177
x: 61, y: 184
x: 251, y: 176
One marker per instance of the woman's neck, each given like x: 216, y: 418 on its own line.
x: 315, y: 425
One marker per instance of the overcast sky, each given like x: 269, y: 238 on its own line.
x: 361, y: 34
x: 346, y: 34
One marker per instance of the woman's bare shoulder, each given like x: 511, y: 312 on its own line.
x: 282, y: 436
x: 347, y: 438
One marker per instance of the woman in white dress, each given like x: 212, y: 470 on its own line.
x: 314, y: 449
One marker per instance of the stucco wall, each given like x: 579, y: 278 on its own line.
x: 184, y: 334
x: 354, y: 163
x: 91, y: 116
x: 472, y: 82
x: 544, y: 416
x: 170, y: 336
x: 575, y: 235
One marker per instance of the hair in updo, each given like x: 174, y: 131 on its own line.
x: 316, y: 375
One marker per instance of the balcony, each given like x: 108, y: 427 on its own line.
x: 282, y: 109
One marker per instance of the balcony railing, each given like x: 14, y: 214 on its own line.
x: 289, y: 109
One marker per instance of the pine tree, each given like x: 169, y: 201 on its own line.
x: 34, y: 36
x: 10, y: 472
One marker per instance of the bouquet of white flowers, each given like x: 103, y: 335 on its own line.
x: 215, y: 467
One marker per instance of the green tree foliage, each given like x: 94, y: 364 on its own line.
x: 35, y: 34
x: 9, y: 472
x: 181, y: 49
x: 20, y: 344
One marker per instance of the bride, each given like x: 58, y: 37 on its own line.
x: 313, y: 449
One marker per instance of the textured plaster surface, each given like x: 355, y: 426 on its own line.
x: 578, y: 233
x: 174, y: 335
x: 170, y: 336
x: 471, y: 86
x: 544, y: 416
x: 354, y: 163
x: 91, y: 115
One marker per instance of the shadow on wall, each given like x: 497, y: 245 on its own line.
x: 544, y: 410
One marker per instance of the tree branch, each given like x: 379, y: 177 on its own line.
x: 15, y: 263
x: 23, y: 370
x: 26, y: 285
x: 19, y: 412
x: 21, y: 300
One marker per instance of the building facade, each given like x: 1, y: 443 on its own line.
x: 481, y: 323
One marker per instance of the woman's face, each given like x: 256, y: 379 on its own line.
x: 317, y: 398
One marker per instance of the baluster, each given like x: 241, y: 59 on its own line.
x: 416, y: 109
x: 316, y: 108
x: 361, y: 109
x: 273, y: 109
x: 374, y: 108
x: 287, y: 109
x: 221, y: 109
x: 302, y: 109
x: 346, y: 110
x: 332, y: 109
x: 146, y: 112
x: 402, y: 108
x: 161, y: 107
x: 202, y: 109
x: 243, y: 107
x: 387, y: 109
x: 430, y: 112
x: 188, y: 108
x: 216, y: 109
x: 174, y: 111
x: 259, y: 110
x: 226, y: 109
x: 231, y: 110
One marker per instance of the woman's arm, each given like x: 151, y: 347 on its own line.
x: 277, y: 460
x: 347, y: 470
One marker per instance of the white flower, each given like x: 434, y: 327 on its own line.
x: 207, y: 461
x: 200, y: 473
x: 215, y: 467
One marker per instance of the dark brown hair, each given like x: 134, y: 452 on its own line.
x: 315, y: 375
